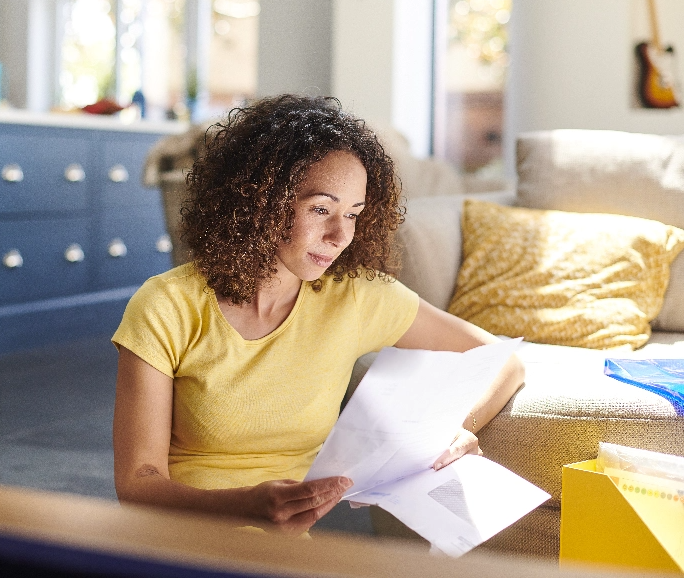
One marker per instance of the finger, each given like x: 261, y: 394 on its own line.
x: 303, y: 490
x: 452, y: 455
x: 302, y: 521
x: 443, y: 460
x: 296, y: 507
x: 464, y: 443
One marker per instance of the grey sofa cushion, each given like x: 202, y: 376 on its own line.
x: 431, y: 244
x: 609, y: 172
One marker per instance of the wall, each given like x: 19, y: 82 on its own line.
x: 13, y: 50
x: 295, y: 47
x: 375, y: 56
x: 412, y: 73
x: 27, y: 52
x: 382, y: 64
x: 362, y: 57
x: 41, y: 55
x: 572, y: 67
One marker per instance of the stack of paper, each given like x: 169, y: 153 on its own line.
x: 402, y: 417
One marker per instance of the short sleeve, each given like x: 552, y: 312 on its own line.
x: 385, y: 311
x: 153, y: 326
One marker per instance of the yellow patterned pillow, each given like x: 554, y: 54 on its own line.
x: 580, y: 279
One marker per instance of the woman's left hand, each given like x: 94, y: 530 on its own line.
x: 464, y: 443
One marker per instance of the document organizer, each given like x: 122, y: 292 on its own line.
x: 602, y: 526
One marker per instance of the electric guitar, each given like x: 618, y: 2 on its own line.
x: 657, y: 87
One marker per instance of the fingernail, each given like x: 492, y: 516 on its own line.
x: 437, y: 466
x: 346, y: 482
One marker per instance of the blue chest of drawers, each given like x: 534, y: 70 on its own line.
x: 78, y: 231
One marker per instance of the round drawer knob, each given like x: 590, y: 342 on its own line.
x: 118, y: 174
x: 12, y: 259
x: 12, y: 173
x: 74, y: 173
x: 117, y: 248
x: 74, y: 253
x: 164, y: 244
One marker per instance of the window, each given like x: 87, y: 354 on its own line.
x: 471, y: 83
x: 183, y: 55
x: 88, y: 54
x: 232, y: 74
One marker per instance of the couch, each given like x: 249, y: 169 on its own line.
x: 566, y: 405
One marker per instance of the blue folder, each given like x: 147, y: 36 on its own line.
x: 662, y: 376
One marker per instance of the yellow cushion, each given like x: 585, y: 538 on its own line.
x: 579, y: 279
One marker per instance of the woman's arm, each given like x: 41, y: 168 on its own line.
x: 142, y: 433
x: 437, y: 330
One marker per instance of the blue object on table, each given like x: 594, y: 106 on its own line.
x: 139, y: 99
x: 662, y: 376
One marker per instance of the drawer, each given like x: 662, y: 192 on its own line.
x: 38, y: 249
x: 131, y: 249
x: 44, y: 173
x: 122, y: 168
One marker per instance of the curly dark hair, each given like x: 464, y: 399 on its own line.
x: 242, y: 189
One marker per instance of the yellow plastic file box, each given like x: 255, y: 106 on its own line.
x: 638, y: 529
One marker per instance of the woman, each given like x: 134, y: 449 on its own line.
x: 232, y: 368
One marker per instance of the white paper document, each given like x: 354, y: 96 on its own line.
x: 459, y: 506
x: 402, y: 417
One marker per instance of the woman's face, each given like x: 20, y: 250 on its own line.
x: 328, y: 201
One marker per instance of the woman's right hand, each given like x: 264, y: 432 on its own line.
x: 293, y: 506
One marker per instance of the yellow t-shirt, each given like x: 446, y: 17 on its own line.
x: 248, y: 411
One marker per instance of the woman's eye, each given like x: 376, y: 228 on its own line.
x: 320, y: 210
x: 353, y: 216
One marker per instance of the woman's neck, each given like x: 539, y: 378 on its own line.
x: 277, y: 295
x: 268, y: 309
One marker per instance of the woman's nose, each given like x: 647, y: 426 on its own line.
x: 340, y: 231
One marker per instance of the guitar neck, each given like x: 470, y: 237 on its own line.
x: 655, y: 32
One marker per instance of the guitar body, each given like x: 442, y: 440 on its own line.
x: 656, y: 85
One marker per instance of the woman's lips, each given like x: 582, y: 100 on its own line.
x: 321, y: 260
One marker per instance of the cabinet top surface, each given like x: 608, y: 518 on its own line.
x: 85, y: 121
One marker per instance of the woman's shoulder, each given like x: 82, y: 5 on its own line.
x: 186, y: 273
x: 182, y: 278
x: 383, y: 307
x: 364, y: 282
x: 162, y: 316
x: 179, y: 284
